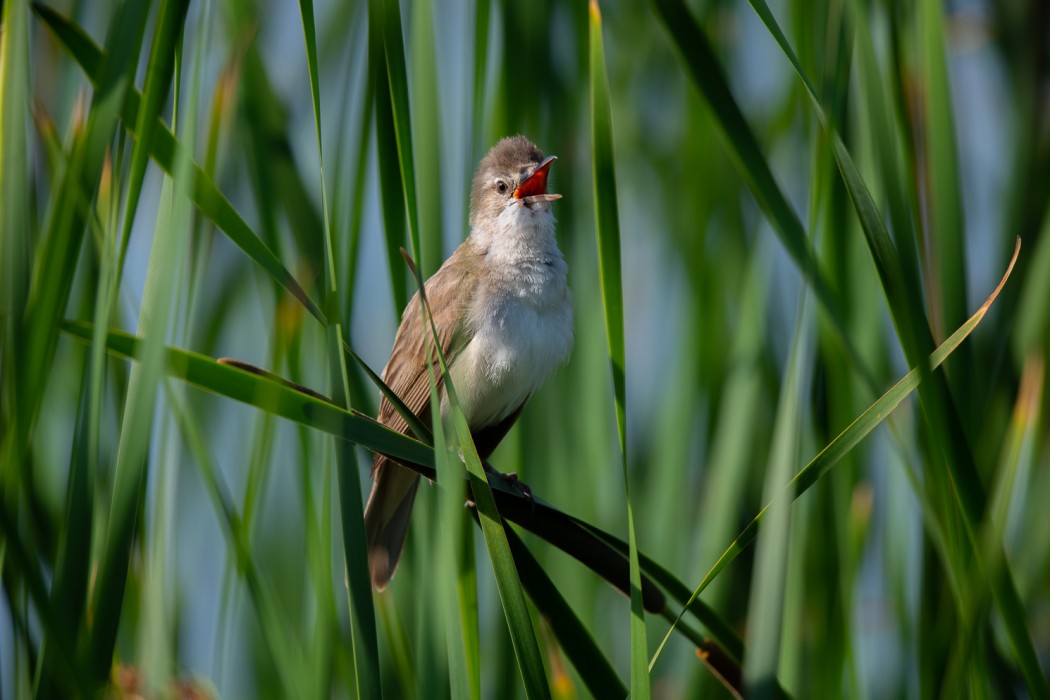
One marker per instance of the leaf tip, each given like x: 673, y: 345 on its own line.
x: 408, y: 260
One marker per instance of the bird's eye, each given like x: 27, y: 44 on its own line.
x: 501, y: 186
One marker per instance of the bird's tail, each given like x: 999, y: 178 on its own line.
x: 386, y: 519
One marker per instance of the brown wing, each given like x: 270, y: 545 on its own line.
x: 389, y: 505
x: 449, y: 293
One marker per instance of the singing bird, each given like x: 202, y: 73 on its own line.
x: 503, y: 313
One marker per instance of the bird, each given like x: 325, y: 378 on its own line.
x: 503, y: 315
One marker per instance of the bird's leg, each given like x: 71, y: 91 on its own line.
x: 510, y: 479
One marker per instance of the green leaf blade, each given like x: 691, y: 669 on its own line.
x: 363, y: 632
x: 610, y: 272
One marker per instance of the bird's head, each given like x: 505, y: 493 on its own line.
x: 511, y: 180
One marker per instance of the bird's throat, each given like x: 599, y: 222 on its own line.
x: 519, y: 235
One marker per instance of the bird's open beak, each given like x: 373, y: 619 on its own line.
x: 534, y: 188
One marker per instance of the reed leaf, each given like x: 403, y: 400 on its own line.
x: 608, y: 232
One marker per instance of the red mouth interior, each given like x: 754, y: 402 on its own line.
x: 535, y: 183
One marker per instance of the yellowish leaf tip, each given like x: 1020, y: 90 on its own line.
x: 105, y: 185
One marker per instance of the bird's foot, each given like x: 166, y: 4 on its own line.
x: 511, y: 480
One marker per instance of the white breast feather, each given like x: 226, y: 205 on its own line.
x: 522, y: 318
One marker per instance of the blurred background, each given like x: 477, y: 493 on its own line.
x: 728, y: 348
